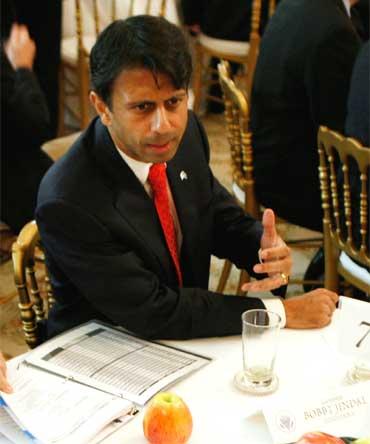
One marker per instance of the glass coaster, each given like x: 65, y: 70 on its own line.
x: 255, y: 388
x: 357, y: 374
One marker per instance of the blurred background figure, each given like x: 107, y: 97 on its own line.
x: 25, y: 125
x: 46, y: 31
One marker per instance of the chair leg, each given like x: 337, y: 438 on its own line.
x: 225, y: 273
x: 243, y: 278
x: 62, y: 95
x: 331, y: 261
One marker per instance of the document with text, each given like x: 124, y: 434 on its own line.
x: 73, y: 386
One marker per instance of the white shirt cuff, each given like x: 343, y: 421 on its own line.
x: 274, y: 304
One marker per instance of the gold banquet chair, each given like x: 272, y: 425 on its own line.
x: 237, y: 112
x: 239, y: 137
x: 345, y: 243
x: 91, y: 17
x: 244, y: 53
x: 32, y: 282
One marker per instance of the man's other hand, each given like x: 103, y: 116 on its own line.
x: 310, y: 310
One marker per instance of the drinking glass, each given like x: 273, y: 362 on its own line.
x: 260, y: 334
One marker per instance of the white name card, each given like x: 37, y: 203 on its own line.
x: 345, y: 412
x: 354, y: 328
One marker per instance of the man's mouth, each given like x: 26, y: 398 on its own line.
x: 159, y: 146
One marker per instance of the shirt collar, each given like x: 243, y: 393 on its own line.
x: 140, y: 169
x: 347, y: 5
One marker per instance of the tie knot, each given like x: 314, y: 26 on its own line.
x: 157, y: 175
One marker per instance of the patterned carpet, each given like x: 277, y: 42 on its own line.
x: 11, y: 337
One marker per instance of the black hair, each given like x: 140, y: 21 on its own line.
x: 141, y: 41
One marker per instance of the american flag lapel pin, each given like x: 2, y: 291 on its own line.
x: 183, y: 175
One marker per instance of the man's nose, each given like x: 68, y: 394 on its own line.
x: 160, y: 121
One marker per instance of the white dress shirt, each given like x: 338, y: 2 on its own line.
x: 141, y: 171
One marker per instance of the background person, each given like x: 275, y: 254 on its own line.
x: 24, y: 127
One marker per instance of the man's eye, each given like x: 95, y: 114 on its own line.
x: 173, y: 101
x: 143, y: 106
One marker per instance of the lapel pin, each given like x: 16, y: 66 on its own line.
x: 183, y: 175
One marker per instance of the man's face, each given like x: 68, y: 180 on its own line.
x: 147, y: 120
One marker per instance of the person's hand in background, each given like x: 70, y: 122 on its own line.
x: 20, y: 48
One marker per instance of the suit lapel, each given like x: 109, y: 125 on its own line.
x: 132, y: 201
x: 183, y: 192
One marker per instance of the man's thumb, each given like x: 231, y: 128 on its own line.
x: 269, y: 235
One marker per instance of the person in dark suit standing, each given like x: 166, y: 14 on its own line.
x: 25, y: 126
x: 130, y: 216
x: 358, y: 116
x: 301, y: 81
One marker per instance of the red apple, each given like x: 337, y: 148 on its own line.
x: 319, y: 438
x: 167, y: 420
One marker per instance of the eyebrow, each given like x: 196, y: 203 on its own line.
x: 178, y: 95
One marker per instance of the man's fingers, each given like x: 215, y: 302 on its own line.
x: 272, y: 253
x: 267, y: 284
x: 269, y: 235
x: 277, y: 267
x: 324, y: 292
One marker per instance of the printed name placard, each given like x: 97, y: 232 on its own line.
x: 354, y: 328
x: 345, y: 412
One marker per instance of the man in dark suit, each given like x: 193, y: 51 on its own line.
x: 301, y: 81
x: 100, y: 212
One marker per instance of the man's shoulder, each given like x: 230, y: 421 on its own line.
x: 75, y: 171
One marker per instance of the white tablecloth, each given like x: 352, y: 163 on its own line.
x: 307, y: 363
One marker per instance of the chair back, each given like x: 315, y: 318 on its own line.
x: 32, y: 282
x: 255, y: 40
x: 240, y: 138
x: 148, y: 7
x: 344, y: 180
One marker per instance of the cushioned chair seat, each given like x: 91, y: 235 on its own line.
x: 226, y: 47
x: 354, y: 269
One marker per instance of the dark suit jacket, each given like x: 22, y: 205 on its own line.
x: 107, y: 254
x: 301, y: 81
x: 232, y: 24
x: 24, y: 127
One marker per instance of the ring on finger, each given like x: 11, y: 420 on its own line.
x: 284, y: 278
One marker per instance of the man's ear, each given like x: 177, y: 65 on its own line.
x: 101, y: 108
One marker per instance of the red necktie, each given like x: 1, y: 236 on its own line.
x: 158, y: 181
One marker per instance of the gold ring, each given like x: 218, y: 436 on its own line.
x: 284, y: 278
